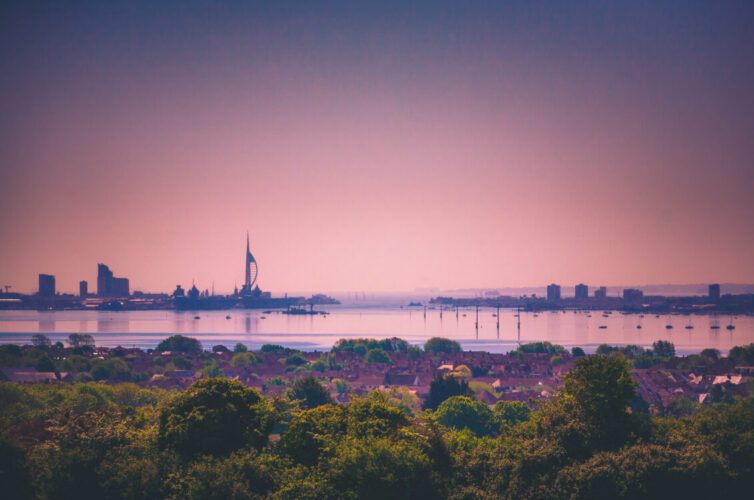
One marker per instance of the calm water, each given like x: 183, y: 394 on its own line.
x: 146, y: 328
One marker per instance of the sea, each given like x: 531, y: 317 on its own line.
x: 485, y: 332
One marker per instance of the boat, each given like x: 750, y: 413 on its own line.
x: 668, y: 327
x: 715, y: 327
x: 263, y: 317
x: 196, y: 317
x: 689, y: 327
x: 730, y: 327
x: 603, y: 327
x: 638, y: 327
x: 227, y: 317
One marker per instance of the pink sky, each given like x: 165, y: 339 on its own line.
x: 471, y: 163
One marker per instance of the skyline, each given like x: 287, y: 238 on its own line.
x: 377, y: 147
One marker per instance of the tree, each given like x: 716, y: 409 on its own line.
x: 444, y: 387
x: 742, y: 355
x: 44, y: 364
x: 313, y: 432
x: 462, y: 412
x: 439, y: 344
x: 240, y: 348
x: 182, y: 363
x: 111, y: 369
x: 577, y: 352
x: 542, y: 348
x: 310, y: 392
x: 243, y: 359
x: 81, y: 340
x: 179, y: 343
x: 663, y: 348
x: 377, y: 356
x: 511, y: 412
x: 76, y: 363
x: 602, y: 388
x: 40, y: 340
x: 215, y: 416
x: 296, y: 359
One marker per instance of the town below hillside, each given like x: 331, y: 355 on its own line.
x: 667, y: 384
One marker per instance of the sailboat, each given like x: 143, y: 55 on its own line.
x: 731, y: 326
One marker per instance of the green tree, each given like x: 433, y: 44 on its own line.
x: 14, y: 473
x: 81, y: 340
x: 240, y: 348
x: 444, y: 387
x: 179, y: 343
x: 296, y: 359
x: 439, y: 344
x: 76, y: 363
x: 244, y: 359
x: 462, y: 412
x: 111, y: 369
x: 44, y: 364
x: 541, y: 348
x: 215, y: 416
x: 577, y: 352
x: 742, y: 355
x: 40, y: 340
x: 511, y: 412
x: 310, y: 392
x: 377, y: 355
x: 314, y: 432
x: 663, y: 348
x: 602, y: 388
x: 182, y: 363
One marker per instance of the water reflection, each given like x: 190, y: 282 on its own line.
x: 495, y: 332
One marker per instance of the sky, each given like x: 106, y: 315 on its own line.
x: 377, y: 146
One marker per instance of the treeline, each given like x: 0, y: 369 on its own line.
x: 220, y: 439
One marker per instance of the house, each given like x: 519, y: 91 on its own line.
x: 407, y: 379
x: 28, y: 375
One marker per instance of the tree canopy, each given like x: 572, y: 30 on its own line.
x: 179, y: 343
x: 215, y: 416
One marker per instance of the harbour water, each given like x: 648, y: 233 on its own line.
x: 145, y: 329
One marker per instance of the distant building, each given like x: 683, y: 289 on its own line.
x: 582, y: 291
x: 252, y: 271
x: 632, y: 295
x: 120, y: 287
x: 553, y: 292
x: 714, y: 291
x: 179, y: 291
x: 83, y: 288
x: 108, y: 285
x: 104, y: 280
x: 600, y: 293
x: 46, y: 285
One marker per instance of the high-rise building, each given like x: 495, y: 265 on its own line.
x: 714, y: 291
x: 600, y: 293
x: 582, y: 291
x: 251, y: 270
x: 46, y: 285
x: 104, y: 281
x: 632, y: 295
x: 553, y: 292
x: 110, y: 286
x: 83, y: 288
x: 120, y: 287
